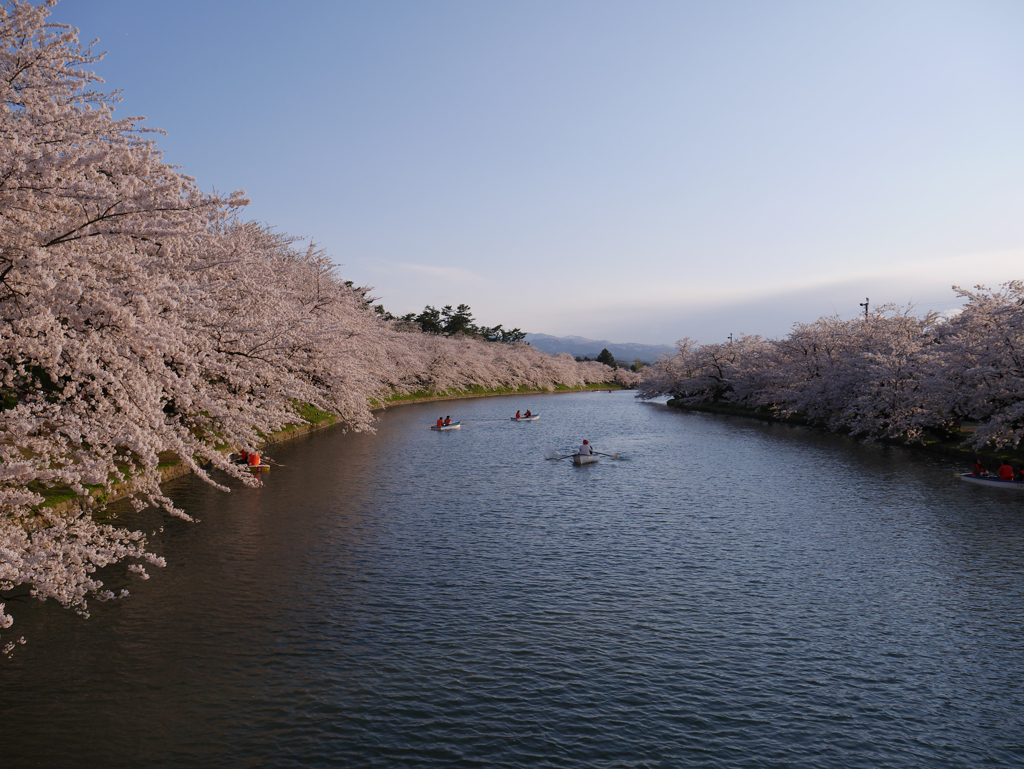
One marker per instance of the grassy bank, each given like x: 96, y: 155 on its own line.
x: 932, y: 444
x: 170, y: 466
x: 425, y: 396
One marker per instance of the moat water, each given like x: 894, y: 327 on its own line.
x: 726, y: 593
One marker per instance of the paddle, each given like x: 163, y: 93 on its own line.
x: 552, y: 454
x: 613, y: 456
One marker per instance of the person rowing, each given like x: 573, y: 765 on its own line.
x: 527, y: 412
x: 447, y: 420
x: 978, y: 470
x: 586, y: 449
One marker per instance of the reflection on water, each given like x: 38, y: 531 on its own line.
x: 727, y: 594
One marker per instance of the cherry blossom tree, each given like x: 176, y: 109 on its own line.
x: 90, y: 221
x: 875, y: 376
x: 142, y: 319
x: 706, y: 373
x: 977, y: 371
x: 864, y: 375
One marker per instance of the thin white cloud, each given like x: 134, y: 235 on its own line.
x: 712, y: 312
x: 451, y: 274
x: 909, y: 278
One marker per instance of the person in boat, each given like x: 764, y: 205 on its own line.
x: 1005, y: 472
x: 1020, y: 474
x: 586, y: 449
x: 517, y: 415
x: 447, y: 420
x: 243, y: 457
x: 440, y: 421
x: 527, y: 412
x: 978, y: 470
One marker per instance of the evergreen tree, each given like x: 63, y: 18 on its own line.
x: 459, y: 320
x: 607, y: 358
x: 430, y: 320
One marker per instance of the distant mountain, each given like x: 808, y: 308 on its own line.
x: 582, y: 347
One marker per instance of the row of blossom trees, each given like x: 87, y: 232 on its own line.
x: 892, y: 374
x: 141, y: 316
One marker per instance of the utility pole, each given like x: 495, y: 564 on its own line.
x: 730, y: 338
x: 864, y: 304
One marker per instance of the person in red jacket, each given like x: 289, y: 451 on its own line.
x: 440, y: 421
x: 1005, y: 472
x: 979, y: 469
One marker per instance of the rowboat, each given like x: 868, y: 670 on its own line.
x: 583, y: 459
x: 452, y: 426
x: 1008, y: 485
x: 259, y: 468
x: 531, y: 418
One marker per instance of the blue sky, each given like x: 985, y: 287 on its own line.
x: 636, y: 171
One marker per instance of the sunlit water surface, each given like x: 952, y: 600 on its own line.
x: 725, y: 594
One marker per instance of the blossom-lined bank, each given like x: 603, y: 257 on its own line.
x: 142, y: 317
x: 891, y: 374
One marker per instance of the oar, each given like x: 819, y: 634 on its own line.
x: 613, y: 456
x: 552, y: 454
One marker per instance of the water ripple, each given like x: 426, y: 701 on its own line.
x: 728, y: 594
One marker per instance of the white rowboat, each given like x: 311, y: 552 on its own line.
x: 1008, y: 485
x: 452, y: 426
x: 583, y: 459
x: 531, y: 418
